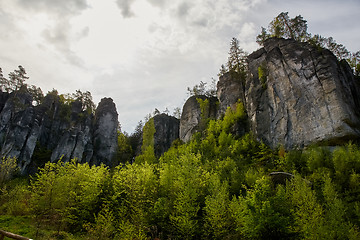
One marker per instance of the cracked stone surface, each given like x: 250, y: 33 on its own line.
x: 191, y: 116
x: 166, y: 131
x: 67, y: 135
x: 309, y: 97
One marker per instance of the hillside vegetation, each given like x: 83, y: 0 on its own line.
x: 217, y: 186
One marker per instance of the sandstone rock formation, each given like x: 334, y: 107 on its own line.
x: 105, y: 132
x: 190, y: 121
x: 303, y: 96
x: 230, y: 89
x: 295, y: 95
x: 59, y: 130
x: 166, y: 131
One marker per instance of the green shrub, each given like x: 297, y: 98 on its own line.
x: 262, y: 72
x: 8, y: 166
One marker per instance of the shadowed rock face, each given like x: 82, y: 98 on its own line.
x: 190, y: 121
x: 306, y: 96
x: 166, y: 131
x: 230, y: 89
x: 61, y: 131
x: 105, y: 132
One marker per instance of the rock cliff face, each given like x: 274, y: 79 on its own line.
x: 166, y: 131
x: 230, y: 89
x: 59, y: 130
x: 190, y: 121
x: 295, y: 95
x: 302, y: 95
x: 105, y: 132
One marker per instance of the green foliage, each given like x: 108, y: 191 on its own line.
x: 204, y: 113
x: 147, y: 148
x: 14, y: 196
x: 260, y: 39
x: 86, y: 100
x: 18, y: 224
x: 237, y: 57
x: 36, y: 93
x: 65, y: 194
x: 135, y: 191
x: 236, y: 64
x: 8, y: 166
x: 308, y: 212
x: 183, y: 182
x: 15, y: 82
x: 124, y: 151
x: 296, y: 28
x: 284, y: 26
x: 354, y: 62
x: 218, y: 221
x: 262, y: 72
x: 263, y: 213
x: 337, y: 226
x: 41, y: 155
x: 202, y: 89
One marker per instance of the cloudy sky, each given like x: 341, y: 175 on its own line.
x: 145, y: 53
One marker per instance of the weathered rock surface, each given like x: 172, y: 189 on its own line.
x: 230, y: 89
x: 190, y: 121
x: 60, y: 130
x: 166, y: 132
x: 306, y: 96
x: 105, y: 132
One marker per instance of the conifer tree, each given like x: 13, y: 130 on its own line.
x: 286, y: 27
x: 237, y: 57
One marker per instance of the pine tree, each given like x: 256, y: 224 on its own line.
x: 286, y: 27
x: 237, y: 57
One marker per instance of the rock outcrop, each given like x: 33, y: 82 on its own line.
x: 298, y: 95
x: 166, y: 132
x: 57, y: 129
x: 105, y: 132
x: 191, y: 117
x: 295, y: 95
x: 230, y: 89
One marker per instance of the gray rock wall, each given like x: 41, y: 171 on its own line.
x: 230, y: 89
x: 307, y: 96
x: 166, y: 132
x: 105, y: 132
x: 66, y: 131
x: 190, y: 121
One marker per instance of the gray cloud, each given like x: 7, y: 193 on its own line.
x: 125, y: 7
x: 60, y: 33
x: 7, y: 26
x: 59, y: 37
x: 60, y: 7
x: 158, y: 3
x: 183, y: 9
x: 203, y: 22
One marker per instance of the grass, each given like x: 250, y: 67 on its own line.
x: 24, y: 226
